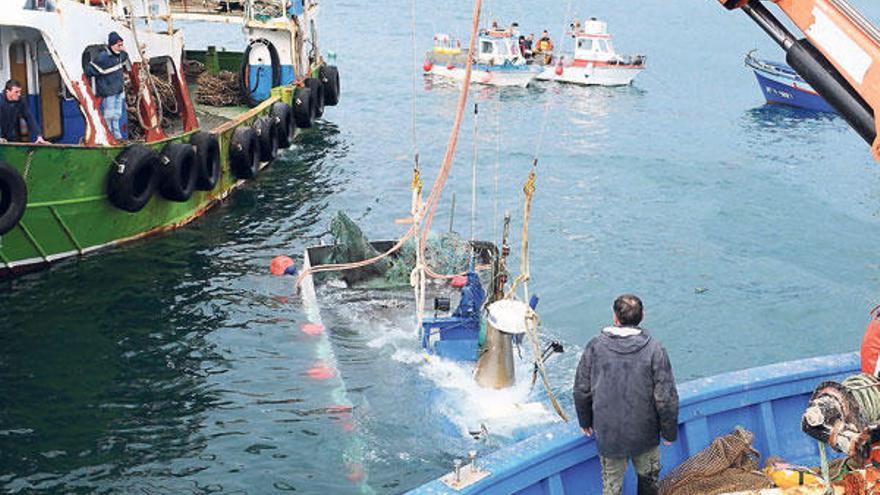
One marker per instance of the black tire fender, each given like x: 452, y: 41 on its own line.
x: 317, y: 90
x: 244, y: 152
x: 178, y: 172
x: 329, y: 76
x: 302, y: 108
x: 133, y: 178
x: 284, y: 125
x: 207, y: 160
x: 267, y: 136
x: 13, y: 197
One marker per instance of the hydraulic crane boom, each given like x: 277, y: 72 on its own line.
x: 839, y: 56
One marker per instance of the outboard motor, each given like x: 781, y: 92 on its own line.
x: 845, y: 415
x: 495, y: 366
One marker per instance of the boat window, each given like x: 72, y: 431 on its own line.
x: 610, y: 45
x: 485, y: 47
x: 585, y: 44
x: 603, y: 47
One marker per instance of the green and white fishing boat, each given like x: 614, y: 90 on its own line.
x: 86, y: 190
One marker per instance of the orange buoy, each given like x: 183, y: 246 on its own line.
x: 312, y: 328
x: 281, y: 265
x: 458, y: 281
x: 428, y: 66
x: 356, y: 473
x: 450, y: 67
x: 320, y: 371
x: 559, y: 70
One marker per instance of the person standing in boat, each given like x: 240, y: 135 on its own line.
x: 625, y: 395
x: 545, y: 47
x: 13, y: 109
x: 107, y: 69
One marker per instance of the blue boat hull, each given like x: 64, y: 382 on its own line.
x: 777, y: 90
x: 768, y: 401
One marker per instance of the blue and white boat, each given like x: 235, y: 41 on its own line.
x: 781, y: 84
x: 768, y: 401
x: 498, y: 61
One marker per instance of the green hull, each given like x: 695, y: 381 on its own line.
x: 68, y: 213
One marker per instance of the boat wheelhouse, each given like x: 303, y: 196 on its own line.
x: 595, y: 61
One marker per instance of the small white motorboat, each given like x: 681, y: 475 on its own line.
x: 594, y: 62
x: 499, y: 61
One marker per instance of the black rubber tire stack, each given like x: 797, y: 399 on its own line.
x: 244, y: 151
x: 13, y: 197
x: 317, y: 90
x: 329, y: 76
x: 207, y: 160
x: 133, y: 178
x: 284, y: 125
x: 267, y: 136
x: 302, y: 108
x: 178, y: 172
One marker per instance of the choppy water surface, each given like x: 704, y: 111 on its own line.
x: 177, y: 365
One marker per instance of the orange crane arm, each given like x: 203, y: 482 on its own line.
x: 840, y: 52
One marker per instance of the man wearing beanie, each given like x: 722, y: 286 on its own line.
x: 107, y: 69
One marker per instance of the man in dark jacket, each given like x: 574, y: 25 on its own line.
x: 624, y: 392
x: 107, y: 69
x: 12, y: 110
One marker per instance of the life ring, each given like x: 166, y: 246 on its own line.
x: 267, y: 136
x: 133, y: 178
x: 13, y: 197
x: 178, y: 172
x: 317, y: 90
x: 284, y: 126
x: 329, y: 76
x: 244, y: 153
x: 207, y: 160
x: 244, y: 81
x: 302, y: 108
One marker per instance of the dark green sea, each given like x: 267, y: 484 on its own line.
x: 177, y: 365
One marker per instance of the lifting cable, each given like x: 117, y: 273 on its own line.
x: 430, y: 205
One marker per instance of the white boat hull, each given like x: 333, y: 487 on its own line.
x: 492, y: 78
x: 591, y: 75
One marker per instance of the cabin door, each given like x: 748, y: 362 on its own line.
x: 18, y: 65
x: 50, y: 94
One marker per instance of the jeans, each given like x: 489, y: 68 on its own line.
x: 647, y: 467
x: 111, y: 107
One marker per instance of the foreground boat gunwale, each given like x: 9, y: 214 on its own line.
x: 536, y: 463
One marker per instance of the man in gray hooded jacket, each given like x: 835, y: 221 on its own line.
x: 624, y: 392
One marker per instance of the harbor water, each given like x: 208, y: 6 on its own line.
x: 177, y: 364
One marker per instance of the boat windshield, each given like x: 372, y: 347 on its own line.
x: 585, y: 44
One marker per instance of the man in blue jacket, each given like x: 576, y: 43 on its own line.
x: 624, y: 393
x: 107, y: 69
x: 12, y: 110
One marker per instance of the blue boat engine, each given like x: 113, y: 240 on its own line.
x: 456, y: 336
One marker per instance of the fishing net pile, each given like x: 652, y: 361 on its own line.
x: 729, y: 464
x: 446, y: 253
x: 162, y: 90
x: 221, y: 90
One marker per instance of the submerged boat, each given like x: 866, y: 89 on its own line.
x: 594, y: 62
x: 86, y: 189
x: 768, y: 401
x: 781, y: 84
x: 498, y: 61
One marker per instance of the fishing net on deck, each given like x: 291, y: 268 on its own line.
x: 729, y: 464
x: 446, y: 253
x: 219, y: 90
